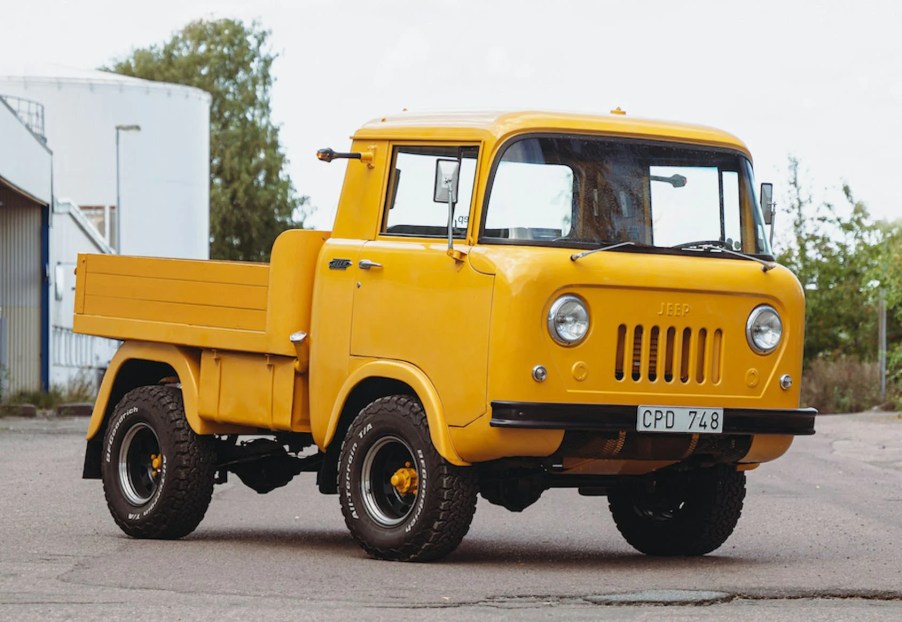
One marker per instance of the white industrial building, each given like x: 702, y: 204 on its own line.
x: 77, y: 150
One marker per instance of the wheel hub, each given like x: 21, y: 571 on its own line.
x: 156, y: 461
x: 405, y: 479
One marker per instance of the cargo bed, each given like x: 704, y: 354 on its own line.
x: 250, y: 307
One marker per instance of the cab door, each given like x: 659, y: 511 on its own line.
x: 412, y: 301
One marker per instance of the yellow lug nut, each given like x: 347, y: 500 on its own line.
x: 405, y: 480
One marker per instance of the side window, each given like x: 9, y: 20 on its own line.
x: 410, y: 209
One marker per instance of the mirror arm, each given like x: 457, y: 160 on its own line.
x: 327, y: 155
x: 773, y: 219
x: 453, y: 253
x: 450, y: 221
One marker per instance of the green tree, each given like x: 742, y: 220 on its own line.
x: 834, y: 252
x: 252, y: 198
x: 888, y: 273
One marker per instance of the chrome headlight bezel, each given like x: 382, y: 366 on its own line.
x: 568, y: 311
x: 762, y: 320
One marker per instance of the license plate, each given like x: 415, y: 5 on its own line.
x: 679, y: 419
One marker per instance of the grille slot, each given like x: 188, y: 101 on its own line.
x: 621, y: 351
x: 637, y: 352
x: 654, y: 353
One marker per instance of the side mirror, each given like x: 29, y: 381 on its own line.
x: 447, y: 175
x: 767, y: 203
x: 677, y: 181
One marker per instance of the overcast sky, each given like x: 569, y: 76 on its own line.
x: 821, y: 81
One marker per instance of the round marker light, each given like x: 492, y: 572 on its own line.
x: 764, y: 329
x: 568, y: 320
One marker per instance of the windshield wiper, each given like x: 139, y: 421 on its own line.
x: 719, y: 246
x: 610, y: 247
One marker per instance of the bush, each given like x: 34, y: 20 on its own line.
x: 841, y: 385
x: 79, y: 389
x: 894, y: 376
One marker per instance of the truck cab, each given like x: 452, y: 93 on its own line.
x: 506, y: 303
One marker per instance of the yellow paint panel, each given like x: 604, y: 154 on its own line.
x: 185, y: 362
x: 300, y: 409
x: 478, y: 441
x: 198, y: 315
x: 206, y: 304
x: 425, y: 308
x: 494, y: 126
x: 244, y: 273
x: 249, y: 389
x: 153, y: 331
x: 152, y: 289
x: 637, y: 302
x: 290, y: 294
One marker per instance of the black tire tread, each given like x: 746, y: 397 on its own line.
x: 191, y: 474
x: 457, y: 491
x: 699, y: 531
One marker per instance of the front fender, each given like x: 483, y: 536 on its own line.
x: 416, y: 379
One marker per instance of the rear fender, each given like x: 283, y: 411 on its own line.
x: 139, y: 363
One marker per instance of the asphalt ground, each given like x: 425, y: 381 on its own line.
x: 820, y: 539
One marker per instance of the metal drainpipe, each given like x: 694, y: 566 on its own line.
x: 45, y: 297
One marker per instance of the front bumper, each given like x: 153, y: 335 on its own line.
x: 618, y: 418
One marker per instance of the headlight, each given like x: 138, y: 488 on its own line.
x: 764, y: 329
x: 568, y: 320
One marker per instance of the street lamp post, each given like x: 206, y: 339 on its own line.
x: 121, y: 128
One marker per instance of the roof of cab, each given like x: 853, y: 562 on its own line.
x: 497, y: 125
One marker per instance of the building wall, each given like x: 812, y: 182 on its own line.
x: 164, y: 170
x: 74, y: 358
x: 163, y: 178
x: 25, y: 162
x: 20, y: 292
x: 25, y: 192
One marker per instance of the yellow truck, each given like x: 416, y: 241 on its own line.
x: 506, y: 303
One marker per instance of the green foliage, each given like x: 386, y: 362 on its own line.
x: 888, y: 268
x: 888, y: 272
x: 844, y: 260
x: 80, y: 388
x: 834, y: 252
x: 252, y: 199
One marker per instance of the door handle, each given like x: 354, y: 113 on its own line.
x: 366, y: 264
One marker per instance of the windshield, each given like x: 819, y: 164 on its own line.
x: 583, y: 192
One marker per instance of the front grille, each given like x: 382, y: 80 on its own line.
x: 668, y: 353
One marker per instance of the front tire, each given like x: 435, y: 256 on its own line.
x: 680, y: 514
x: 157, y: 473
x: 400, y: 499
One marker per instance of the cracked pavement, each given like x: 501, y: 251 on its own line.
x: 819, y: 537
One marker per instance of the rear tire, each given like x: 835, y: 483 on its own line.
x: 157, y: 473
x: 401, y: 500
x: 680, y: 514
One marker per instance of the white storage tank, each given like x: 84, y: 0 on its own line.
x: 163, y: 167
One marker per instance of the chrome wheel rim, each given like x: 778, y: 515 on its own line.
x: 383, y: 501
x: 138, y: 473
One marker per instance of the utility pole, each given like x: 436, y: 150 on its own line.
x: 120, y: 128
x: 881, y: 346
